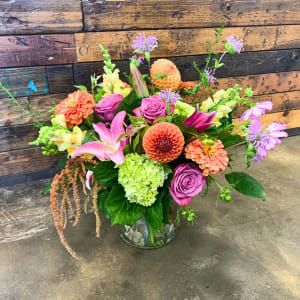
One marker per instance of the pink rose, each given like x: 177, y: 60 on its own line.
x: 151, y: 108
x: 107, y: 106
x: 188, y: 181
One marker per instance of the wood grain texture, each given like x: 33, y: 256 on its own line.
x: 24, y: 81
x: 143, y: 14
x: 60, y: 79
x: 248, y: 63
x: 24, y: 161
x: 27, y: 16
x: 36, y: 50
x: 17, y: 137
x: 182, y: 42
x: 10, y: 116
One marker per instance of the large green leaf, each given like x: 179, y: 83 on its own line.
x: 246, y: 184
x: 129, y: 103
x: 105, y: 173
x: 120, y: 209
x: 166, y: 202
x: 102, y: 200
x: 154, y: 215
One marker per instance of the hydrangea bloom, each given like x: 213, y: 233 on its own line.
x: 141, y: 44
x: 209, y: 75
x: 257, y: 110
x: 265, y: 140
x: 169, y: 96
x: 141, y: 177
x: 183, y: 109
x: 236, y: 43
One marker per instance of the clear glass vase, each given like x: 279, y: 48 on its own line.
x: 141, y: 235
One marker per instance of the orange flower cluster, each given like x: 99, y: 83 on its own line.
x: 75, y: 107
x: 210, y: 155
x: 163, y: 142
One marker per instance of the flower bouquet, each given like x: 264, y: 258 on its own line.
x: 143, y: 147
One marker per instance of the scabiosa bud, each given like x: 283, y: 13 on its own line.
x: 234, y: 44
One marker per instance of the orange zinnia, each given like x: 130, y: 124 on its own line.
x: 75, y: 107
x: 210, y: 155
x: 163, y: 142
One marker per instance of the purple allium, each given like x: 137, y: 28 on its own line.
x: 141, y: 44
x: 209, y: 75
x: 139, y: 59
x: 237, y: 44
x: 257, y: 110
x: 265, y: 140
x: 169, y: 96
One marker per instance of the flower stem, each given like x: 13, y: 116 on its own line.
x: 235, y: 145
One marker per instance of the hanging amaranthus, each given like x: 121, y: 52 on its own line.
x: 61, y: 203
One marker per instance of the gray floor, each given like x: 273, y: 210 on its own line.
x: 247, y: 249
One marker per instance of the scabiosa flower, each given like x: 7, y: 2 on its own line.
x: 209, y: 75
x: 265, y: 140
x: 141, y: 44
x: 163, y: 142
x: 169, y: 96
x: 208, y: 154
x: 139, y: 59
x: 257, y: 110
x: 234, y: 44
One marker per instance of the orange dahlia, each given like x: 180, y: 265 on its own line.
x: 210, y: 155
x: 75, y: 107
x: 163, y: 142
x: 165, y: 67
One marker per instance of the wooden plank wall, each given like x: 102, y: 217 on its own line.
x: 53, y: 45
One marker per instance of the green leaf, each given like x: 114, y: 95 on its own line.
x: 105, y: 173
x: 102, y: 200
x: 120, y: 209
x: 248, y: 92
x: 61, y: 163
x: 129, y: 103
x: 154, y: 215
x: 166, y: 200
x: 246, y: 184
x: 228, y: 139
x: 81, y: 87
x: 160, y: 76
x: 89, y: 136
x: 46, y: 189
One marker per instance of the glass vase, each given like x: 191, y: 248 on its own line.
x: 141, y: 235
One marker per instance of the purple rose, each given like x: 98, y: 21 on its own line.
x: 151, y: 108
x: 107, y: 106
x: 188, y: 181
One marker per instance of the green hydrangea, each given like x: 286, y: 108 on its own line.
x: 183, y: 109
x: 44, y: 135
x: 141, y: 177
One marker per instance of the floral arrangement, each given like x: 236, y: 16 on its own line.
x: 140, y: 147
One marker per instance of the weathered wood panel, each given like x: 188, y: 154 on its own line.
x: 24, y: 161
x: 182, y: 42
x: 24, y: 81
x: 60, y: 79
x: 17, y: 137
x: 247, y: 63
x: 143, y: 14
x: 27, y: 16
x: 36, y: 50
x: 10, y: 116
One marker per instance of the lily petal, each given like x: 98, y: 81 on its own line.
x: 117, y: 157
x: 103, y: 132
x: 94, y: 148
x: 117, y: 127
x: 88, y: 177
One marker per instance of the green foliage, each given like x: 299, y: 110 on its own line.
x: 108, y: 65
x: 61, y: 164
x: 81, y: 87
x: 154, y: 215
x: 248, y: 92
x: 106, y: 173
x: 90, y: 136
x: 129, y: 103
x: 246, y: 184
x: 102, y: 202
x: 120, y: 209
x: 46, y: 189
x: 160, y: 76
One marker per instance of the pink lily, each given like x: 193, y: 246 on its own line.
x: 88, y: 177
x: 108, y: 147
x: 200, y: 121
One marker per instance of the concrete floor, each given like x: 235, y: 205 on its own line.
x: 246, y: 249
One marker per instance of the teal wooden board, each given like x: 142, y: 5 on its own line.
x: 24, y: 81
